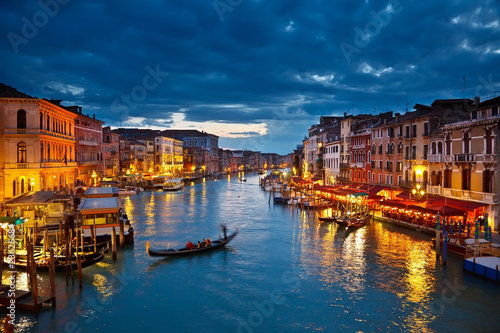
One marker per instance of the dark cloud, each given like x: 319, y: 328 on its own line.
x: 263, y: 63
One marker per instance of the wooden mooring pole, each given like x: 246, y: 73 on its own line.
x: 113, y: 244
x: 122, y: 234
x: 52, y: 273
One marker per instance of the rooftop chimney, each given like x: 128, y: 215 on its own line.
x: 476, y: 100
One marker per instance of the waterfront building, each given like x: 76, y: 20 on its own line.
x: 269, y: 161
x: 88, y: 136
x: 470, y: 158
x: 313, y: 144
x: 360, y: 148
x: 331, y: 157
x: 37, y: 145
x: 195, y: 138
x: 110, y: 153
x: 196, y: 159
x: 345, y: 130
x: 168, y: 156
x: 225, y: 160
x: 236, y: 163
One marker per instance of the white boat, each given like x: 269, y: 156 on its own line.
x: 127, y: 191
x: 172, y: 184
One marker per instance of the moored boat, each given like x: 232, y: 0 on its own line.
x: 61, y: 265
x: 172, y: 184
x: 327, y: 219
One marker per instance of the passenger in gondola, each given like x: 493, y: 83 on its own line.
x: 203, y: 243
x: 198, y: 245
x: 189, y: 245
x: 208, y: 242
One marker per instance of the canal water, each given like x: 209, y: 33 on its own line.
x: 284, y: 272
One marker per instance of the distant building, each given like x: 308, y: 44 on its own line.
x: 110, y: 152
x: 88, y: 135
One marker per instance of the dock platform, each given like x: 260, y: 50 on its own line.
x: 24, y: 299
x: 484, y: 266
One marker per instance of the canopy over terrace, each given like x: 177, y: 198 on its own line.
x: 426, y: 208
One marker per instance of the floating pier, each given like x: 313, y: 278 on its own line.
x: 483, y: 266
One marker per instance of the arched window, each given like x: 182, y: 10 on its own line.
x: 434, y: 178
x: 48, y: 152
x: 48, y: 123
x: 21, y: 119
x: 440, y: 148
x: 14, y: 189
x: 41, y: 152
x: 21, y: 152
x: 433, y: 148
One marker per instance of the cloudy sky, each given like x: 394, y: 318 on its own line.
x: 257, y: 73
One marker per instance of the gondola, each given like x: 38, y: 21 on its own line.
x: 357, y: 223
x: 60, y: 266
x: 327, y: 219
x: 243, y: 180
x: 179, y: 252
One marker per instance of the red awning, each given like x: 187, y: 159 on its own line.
x: 404, y: 195
x: 394, y: 203
x: 376, y: 188
x: 460, y: 204
x: 364, y: 187
x: 372, y: 196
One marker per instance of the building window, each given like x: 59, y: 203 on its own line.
x: 466, y: 179
x: 425, y: 152
x: 494, y: 111
x: 21, y: 119
x: 21, y: 152
x: 400, y: 148
x: 48, y: 123
x: 41, y: 120
x: 488, y: 181
x: 414, y: 131
x: 426, y: 129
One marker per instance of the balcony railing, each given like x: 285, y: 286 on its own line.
x: 464, y: 158
x: 489, y: 198
x: 489, y: 158
x: 435, y: 158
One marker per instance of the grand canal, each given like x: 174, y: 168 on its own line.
x: 284, y: 272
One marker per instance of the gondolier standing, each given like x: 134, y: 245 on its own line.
x: 224, y: 229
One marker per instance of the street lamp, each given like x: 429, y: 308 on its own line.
x: 418, y: 193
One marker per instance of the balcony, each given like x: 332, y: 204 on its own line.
x: 489, y: 198
x: 464, y: 158
x: 489, y: 158
x: 435, y: 158
x: 360, y: 165
x: 87, y: 143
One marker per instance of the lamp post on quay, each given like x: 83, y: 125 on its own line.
x: 418, y: 193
